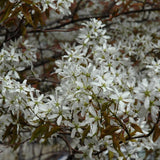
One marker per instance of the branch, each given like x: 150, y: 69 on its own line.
x: 45, y: 61
x: 135, y: 137
x: 67, y: 143
x: 151, y: 131
x: 88, y: 17
x: 121, y: 123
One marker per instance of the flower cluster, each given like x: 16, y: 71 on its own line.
x: 16, y: 97
x: 16, y: 57
x: 108, y: 98
x: 96, y: 77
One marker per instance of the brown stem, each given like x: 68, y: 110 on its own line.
x: 135, y: 137
x: 67, y: 143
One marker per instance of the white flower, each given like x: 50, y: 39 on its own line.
x: 145, y: 91
x: 155, y: 65
x: 36, y: 103
x: 123, y: 98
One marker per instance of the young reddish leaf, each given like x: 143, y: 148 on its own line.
x: 27, y: 14
x: 136, y: 127
x: 52, y: 131
x: 8, y: 131
x: 23, y: 30
x: 38, y: 17
x: 27, y: 1
x: 16, y: 11
x: 106, y: 105
x: 131, y: 134
x: 76, y: 16
x: 116, y: 144
x: 39, y: 131
x: 47, y: 13
x: 109, y: 130
x: 14, y: 135
x: 7, y: 11
x: 106, y: 118
x: 2, y: 2
x: 156, y: 133
x: 85, y: 132
x: 121, y: 136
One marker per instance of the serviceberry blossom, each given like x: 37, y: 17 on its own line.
x: 107, y: 101
x: 13, y: 59
x: 102, y: 76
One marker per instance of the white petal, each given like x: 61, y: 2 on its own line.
x: 146, y: 103
x: 73, y: 133
x: 92, y: 111
x: 59, y: 120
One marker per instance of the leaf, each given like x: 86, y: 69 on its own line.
x: 85, y: 132
x: 106, y: 105
x: 110, y: 155
x: 8, y: 131
x: 14, y: 135
x: 38, y: 17
x: 109, y: 130
x: 27, y: 14
x: 27, y: 1
x: 47, y: 13
x: 23, y: 30
x: 17, y: 144
x: 136, y: 127
x: 13, y: 139
x: 22, y: 121
x: 16, y: 11
x: 75, y: 17
x: 121, y: 136
x: 156, y: 133
x: 2, y: 2
x: 39, y: 131
x: 52, y: 131
x: 106, y: 118
x: 7, y: 11
x: 116, y: 144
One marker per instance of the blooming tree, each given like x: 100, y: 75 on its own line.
x: 107, y: 74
